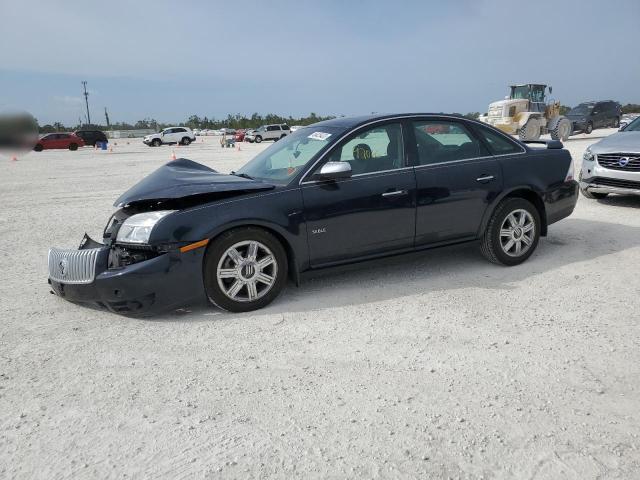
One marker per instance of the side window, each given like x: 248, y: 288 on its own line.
x: 443, y: 141
x: 63, y: 136
x: 272, y: 128
x: 180, y: 130
x: 285, y: 127
x: 498, y: 144
x: 373, y: 150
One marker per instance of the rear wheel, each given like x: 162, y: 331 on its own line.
x: 593, y: 195
x: 186, y: 141
x: 38, y: 147
x: 73, y: 146
x: 245, y: 269
x: 513, y: 232
x: 156, y: 142
x: 530, y: 130
x: 616, y: 122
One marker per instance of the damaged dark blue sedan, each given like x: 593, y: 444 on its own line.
x: 340, y: 191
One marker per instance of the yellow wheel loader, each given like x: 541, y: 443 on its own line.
x: 525, y: 112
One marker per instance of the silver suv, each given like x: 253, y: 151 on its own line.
x: 613, y: 164
x: 268, y: 132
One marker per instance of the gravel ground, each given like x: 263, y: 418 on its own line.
x: 430, y: 365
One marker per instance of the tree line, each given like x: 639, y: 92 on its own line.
x: 241, y: 121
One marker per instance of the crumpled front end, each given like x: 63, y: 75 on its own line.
x: 128, y: 281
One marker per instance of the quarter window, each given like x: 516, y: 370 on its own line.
x: 498, y: 144
x: 373, y: 150
x: 442, y: 141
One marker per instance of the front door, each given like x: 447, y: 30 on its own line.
x: 370, y: 213
x: 456, y: 179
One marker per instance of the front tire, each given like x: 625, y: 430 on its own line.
x: 245, y: 269
x: 589, y: 128
x: 38, y: 147
x: 186, y: 141
x: 561, y: 129
x: 616, y: 122
x: 73, y: 147
x: 156, y: 142
x: 258, y: 139
x: 593, y: 195
x: 512, y: 233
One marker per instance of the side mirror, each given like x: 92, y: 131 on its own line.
x: 334, y: 171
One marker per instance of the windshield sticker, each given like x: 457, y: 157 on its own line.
x: 319, y: 136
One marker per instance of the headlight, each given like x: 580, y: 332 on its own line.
x: 588, y: 155
x: 137, y: 228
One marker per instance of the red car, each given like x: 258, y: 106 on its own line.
x: 58, y: 141
x: 240, y: 135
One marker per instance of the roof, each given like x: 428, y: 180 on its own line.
x: 350, y: 122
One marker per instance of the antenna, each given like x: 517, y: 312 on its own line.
x: 86, y: 100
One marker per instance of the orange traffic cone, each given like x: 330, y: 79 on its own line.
x: 173, y: 155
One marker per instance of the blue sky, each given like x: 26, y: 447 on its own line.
x: 167, y: 59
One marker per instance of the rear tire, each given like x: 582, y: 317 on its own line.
x: 593, y: 195
x: 186, y: 141
x: 38, y: 147
x: 529, y: 131
x: 73, y: 147
x: 616, y: 122
x: 512, y: 233
x: 245, y: 269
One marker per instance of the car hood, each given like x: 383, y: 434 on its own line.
x: 621, y: 142
x: 183, y: 178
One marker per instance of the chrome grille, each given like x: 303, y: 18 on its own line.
x: 629, y: 162
x: 73, y: 266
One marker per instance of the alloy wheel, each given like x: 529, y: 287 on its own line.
x: 247, y: 271
x: 517, y: 233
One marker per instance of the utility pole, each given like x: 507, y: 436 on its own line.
x: 106, y: 116
x: 86, y: 100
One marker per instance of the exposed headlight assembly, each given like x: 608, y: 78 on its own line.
x: 588, y: 155
x: 137, y: 228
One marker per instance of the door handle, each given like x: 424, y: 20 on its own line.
x: 395, y: 193
x: 485, y: 178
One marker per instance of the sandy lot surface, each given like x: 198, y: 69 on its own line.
x: 433, y: 365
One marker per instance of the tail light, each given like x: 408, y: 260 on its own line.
x: 569, y: 176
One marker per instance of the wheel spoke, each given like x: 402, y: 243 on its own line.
x: 228, y: 273
x: 234, y: 255
x: 505, y: 232
x: 527, y: 228
x: 265, y: 262
x: 509, y: 244
x: 235, y: 288
x: 527, y: 240
x: 252, y: 251
x: 518, y: 247
x: 523, y: 218
x: 264, y: 278
x: 252, y: 291
x: 512, y: 220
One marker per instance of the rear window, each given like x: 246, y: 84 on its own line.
x: 498, y: 143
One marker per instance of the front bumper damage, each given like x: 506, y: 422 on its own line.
x: 148, y: 287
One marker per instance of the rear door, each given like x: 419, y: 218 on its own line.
x: 456, y: 177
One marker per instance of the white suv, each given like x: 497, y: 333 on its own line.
x: 268, y: 132
x: 181, y: 135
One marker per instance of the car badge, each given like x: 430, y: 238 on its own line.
x: 62, y: 267
x: 623, y: 162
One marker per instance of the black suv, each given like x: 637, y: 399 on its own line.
x: 591, y: 115
x: 90, y: 137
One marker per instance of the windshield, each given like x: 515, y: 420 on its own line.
x: 581, y: 110
x: 287, y: 157
x: 633, y: 126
